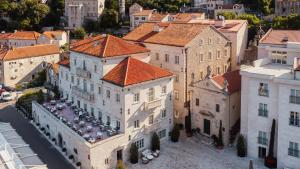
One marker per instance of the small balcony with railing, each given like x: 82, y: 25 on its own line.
x: 152, y: 104
x: 83, y: 73
x: 263, y: 92
x: 295, y: 99
x: 83, y: 94
x: 262, y: 140
x: 294, y: 122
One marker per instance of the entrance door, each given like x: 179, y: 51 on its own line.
x: 120, y: 155
x: 207, y: 126
x: 262, y: 151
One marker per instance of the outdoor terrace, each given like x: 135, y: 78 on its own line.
x: 80, y: 121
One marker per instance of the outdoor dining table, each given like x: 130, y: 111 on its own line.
x: 99, y: 135
x: 76, y: 119
x: 86, y: 136
x: 81, y: 123
x: 89, y: 128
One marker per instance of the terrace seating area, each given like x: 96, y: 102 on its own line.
x: 80, y: 121
x: 148, y: 156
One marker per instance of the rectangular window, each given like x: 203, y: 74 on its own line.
x: 164, y: 90
x: 209, y: 55
x: 136, y: 124
x: 92, y: 87
x: 218, y: 54
x: 294, y: 119
x: 108, y: 120
x: 295, y: 96
x: 176, y: 93
x: 262, y: 151
x: 197, y: 102
x: 201, y: 75
x: 139, y: 143
x: 225, y: 52
x: 201, y: 57
x: 136, y: 97
x: 151, y: 117
x: 293, y: 149
x: 117, y: 97
x: 176, y: 114
x: 95, y: 68
x: 99, y: 90
x: 217, y: 108
x: 263, y: 90
x: 262, y: 138
x: 177, y: 78
x: 157, y: 56
x: 177, y: 60
x: 263, y: 110
x: 162, y: 134
x: 107, y: 93
x: 218, y: 70
x: 151, y: 94
x: 166, y: 58
x: 163, y: 113
x: 279, y: 57
x: 72, y: 79
x: 200, y: 42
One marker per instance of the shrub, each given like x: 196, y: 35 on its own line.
x: 120, y: 165
x: 78, y: 164
x: 175, y: 134
x: 241, y: 146
x: 40, y: 97
x: 64, y: 149
x: 71, y: 157
x: 134, y: 154
x: 155, y: 142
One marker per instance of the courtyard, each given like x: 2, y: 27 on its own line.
x: 191, y: 153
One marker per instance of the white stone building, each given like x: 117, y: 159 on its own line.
x: 21, y: 64
x: 19, y: 38
x: 271, y: 90
x: 58, y: 38
x: 76, y: 11
x: 216, y: 100
x: 110, y: 79
x: 15, y: 153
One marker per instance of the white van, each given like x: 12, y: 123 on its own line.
x: 6, y: 96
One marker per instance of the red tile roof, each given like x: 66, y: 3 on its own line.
x: 53, y: 34
x: 277, y: 36
x: 28, y: 52
x: 143, y: 13
x: 65, y: 63
x: 132, y: 71
x: 24, y: 35
x: 233, y: 78
x: 107, y: 46
x: 4, y: 35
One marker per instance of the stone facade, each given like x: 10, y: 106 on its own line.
x: 287, y: 7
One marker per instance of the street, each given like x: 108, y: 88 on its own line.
x: 38, y: 143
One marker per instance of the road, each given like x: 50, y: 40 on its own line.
x: 46, y: 152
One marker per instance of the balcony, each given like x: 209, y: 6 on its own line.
x: 83, y: 73
x: 152, y: 127
x: 293, y: 152
x: 295, y: 99
x: 263, y: 92
x: 262, y: 140
x: 294, y: 122
x: 83, y: 94
x: 263, y: 112
x: 152, y: 104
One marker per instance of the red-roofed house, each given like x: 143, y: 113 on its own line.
x: 58, y: 38
x: 217, y: 100
x: 111, y: 80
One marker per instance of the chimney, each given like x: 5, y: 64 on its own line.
x: 15, y: 31
x: 220, y: 22
x: 285, y: 38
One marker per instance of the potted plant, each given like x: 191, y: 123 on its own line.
x: 78, y: 164
x: 64, y: 149
x: 71, y: 157
x: 241, y: 146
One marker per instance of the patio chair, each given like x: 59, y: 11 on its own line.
x: 145, y: 160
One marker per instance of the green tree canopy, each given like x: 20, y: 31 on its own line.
x: 109, y: 19
x: 290, y: 22
x: 228, y: 15
x: 56, y: 11
x: 79, y: 33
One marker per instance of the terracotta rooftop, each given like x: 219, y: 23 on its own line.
x: 24, y: 35
x: 177, y: 34
x: 27, y: 52
x: 230, y: 25
x: 186, y: 17
x: 157, y: 17
x: 233, y: 78
x: 4, y: 35
x: 65, y: 63
x: 280, y: 37
x: 132, y: 71
x: 53, y: 34
x: 143, y: 13
x: 106, y: 46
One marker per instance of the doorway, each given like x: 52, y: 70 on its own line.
x: 262, y: 151
x: 120, y: 155
x: 206, y: 127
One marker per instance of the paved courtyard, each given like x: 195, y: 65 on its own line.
x: 189, y: 153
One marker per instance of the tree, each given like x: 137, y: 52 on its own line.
x: 134, y: 154
x: 90, y: 25
x: 228, y: 15
x: 40, y: 97
x: 250, y: 164
x: 175, y: 134
x: 290, y: 22
x: 220, y: 139
x: 79, y: 33
x: 270, y: 160
x: 155, y: 142
x: 241, y: 146
x: 56, y: 92
x: 56, y: 11
x: 120, y: 165
x: 253, y: 24
x: 109, y: 18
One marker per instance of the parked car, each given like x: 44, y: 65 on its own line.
x: 6, y: 96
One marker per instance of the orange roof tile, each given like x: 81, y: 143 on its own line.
x: 65, y: 63
x: 28, y: 52
x: 132, y: 71
x: 186, y: 17
x: 157, y: 17
x: 233, y: 78
x: 4, y: 35
x: 230, y: 25
x: 107, y: 46
x: 143, y: 13
x: 277, y: 36
x: 177, y: 34
x: 141, y: 33
x: 25, y: 35
x: 52, y: 34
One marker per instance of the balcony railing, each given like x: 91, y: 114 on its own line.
x: 294, y: 122
x: 263, y: 112
x: 293, y: 152
x: 83, y: 73
x: 263, y: 92
x: 152, y: 104
x: 83, y: 94
x: 262, y: 140
x: 295, y: 99
x: 152, y: 127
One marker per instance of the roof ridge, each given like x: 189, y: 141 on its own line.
x: 106, y: 44
x: 126, y: 73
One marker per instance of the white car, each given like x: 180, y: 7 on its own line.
x: 6, y: 96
